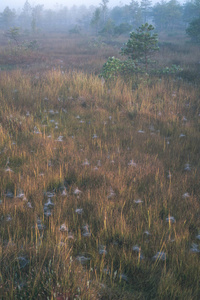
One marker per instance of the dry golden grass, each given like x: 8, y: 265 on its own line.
x: 103, y: 129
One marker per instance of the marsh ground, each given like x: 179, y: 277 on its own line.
x: 99, y: 184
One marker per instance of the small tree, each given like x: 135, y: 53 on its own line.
x: 36, y: 16
x: 145, y: 8
x: 8, y: 17
x: 25, y: 15
x: 13, y: 34
x: 96, y: 19
x: 194, y: 27
x: 141, y: 45
x: 194, y: 30
x: 135, y: 13
x: 108, y: 28
x: 104, y: 6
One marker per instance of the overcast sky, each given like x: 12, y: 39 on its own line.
x: 69, y: 3
x: 52, y: 3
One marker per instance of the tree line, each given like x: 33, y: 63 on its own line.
x: 102, y: 20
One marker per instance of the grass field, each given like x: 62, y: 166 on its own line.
x: 99, y: 184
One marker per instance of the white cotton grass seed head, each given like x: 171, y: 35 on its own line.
x: 86, y: 231
x: 102, y: 250
x: 50, y: 194
x: 40, y: 226
x: 187, y: 167
x: 49, y: 203
x: 111, y: 194
x: 9, y: 170
x: 77, y: 191
x: 64, y: 192
x: 22, y: 261
x: 63, y: 228
x: 82, y: 259
x: 60, y: 139
x: 47, y: 212
x: 132, y: 163
x: 86, y: 163
x: 170, y: 219
x: 138, y: 201
x: 147, y: 232
x: 160, y: 256
x: 8, y: 218
x: 20, y: 195
x: 194, y: 248
x: 29, y: 205
x: 79, y: 211
x: 136, y: 248
x: 169, y: 175
x: 186, y: 195
x: 51, y: 111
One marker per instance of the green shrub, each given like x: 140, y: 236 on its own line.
x: 170, y: 70
x: 115, y: 68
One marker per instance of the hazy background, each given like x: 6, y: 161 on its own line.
x: 53, y: 3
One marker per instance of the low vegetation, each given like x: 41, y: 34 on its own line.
x: 99, y: 185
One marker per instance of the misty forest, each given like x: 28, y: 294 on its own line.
x: 99, y: 151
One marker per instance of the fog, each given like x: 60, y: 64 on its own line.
x: 112, y: 18
x: 56, y: 3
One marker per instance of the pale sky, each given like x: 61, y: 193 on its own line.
x: 69, y: 3
x: 52, y: 3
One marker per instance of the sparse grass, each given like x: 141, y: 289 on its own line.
x: 106, y: 127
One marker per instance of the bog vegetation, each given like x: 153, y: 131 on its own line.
x: 99, y: 152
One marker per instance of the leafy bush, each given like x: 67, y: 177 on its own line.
x: 128, y: 68
x: 111, y: 68
x: 171, y: 70
x: 114, y: 68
